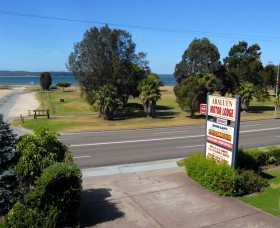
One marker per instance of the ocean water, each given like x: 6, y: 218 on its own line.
x: 167, y: 79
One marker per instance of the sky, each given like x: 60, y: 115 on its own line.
x: 161, y: 28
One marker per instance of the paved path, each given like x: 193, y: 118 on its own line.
x: 162, y: 198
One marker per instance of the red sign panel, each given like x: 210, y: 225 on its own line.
x: 203, y: 108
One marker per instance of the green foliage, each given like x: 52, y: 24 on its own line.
x: 193, y: 91
x: 8, y: 159
x: 9, y: 191
x: 213, y: 176
x: 248, y: 182
x: 45, y: 80
x: 269, y: 75
x: 257, y: 159
x: 63, y: 84
x: 106, y: 101
x: 246, y: 91
x: 38, y: 151
x: 221, y: 178
x: 150, y: 93
x: 276, y: 101
x: 107, y: 57
x: 244, y: 64
x: 54, y: 202
x: 201, y: 57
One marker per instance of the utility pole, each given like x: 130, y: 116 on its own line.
x: 277, y: 87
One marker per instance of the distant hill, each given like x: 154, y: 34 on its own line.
x: 28, y: 73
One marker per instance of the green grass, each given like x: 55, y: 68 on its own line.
x: 269, y: 199
x: 76, y: 115
x: 73, y: 102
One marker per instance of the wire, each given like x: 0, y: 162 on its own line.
x: 215, y: 34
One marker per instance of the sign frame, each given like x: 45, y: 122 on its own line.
x: 222, y: 107
x: 234, y: 104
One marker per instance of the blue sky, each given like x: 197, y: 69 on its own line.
x: 36, y: 44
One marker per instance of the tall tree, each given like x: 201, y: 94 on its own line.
x: 243, y: 63
x: 201, y: 57
x: 269, y: 75
x: 107, y: 57
x: 150, y: 93
x: 8, y: 159
x: 45, y: 80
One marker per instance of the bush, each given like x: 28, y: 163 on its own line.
x: 8, y: 159
x: 8, y: 190
x: 39, y: 151
x: 248, y: 182
x: 221, y: 178
x: 54, y: 202
x: 213, y: 176
x: 258, y: 159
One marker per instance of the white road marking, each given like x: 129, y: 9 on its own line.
x: 190, y: 146
x: 162, y: 139
x: 251, y: 125
x: 81, y: 157
x: 168, y: 132
x: 266, y: 129
x: 135, y: 141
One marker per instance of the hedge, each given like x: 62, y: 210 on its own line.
x: 221, y: 178
x: 54, y: 202
x: 258, y: 159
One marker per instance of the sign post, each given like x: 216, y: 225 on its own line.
x: 222, y: 128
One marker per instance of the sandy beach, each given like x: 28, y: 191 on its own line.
x: 19, y: 103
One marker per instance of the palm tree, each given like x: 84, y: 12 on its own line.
x: 150, y: 93
x: 106, y: 101
x: 246, y: 90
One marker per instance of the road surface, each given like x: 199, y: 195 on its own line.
x: 95, y: 149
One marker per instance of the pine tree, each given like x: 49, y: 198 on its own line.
x: 8, y: 159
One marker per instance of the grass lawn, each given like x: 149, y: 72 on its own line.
x: 76, y: 115
x: 269, y: 199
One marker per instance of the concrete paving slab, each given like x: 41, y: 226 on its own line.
x: 115, y: 213
x: 154, y: 183
x: 161, y: 199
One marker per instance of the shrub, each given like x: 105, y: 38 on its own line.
x: 248, y: 182
x: 38, y: 151
x: 213, y: 176
x: 257, y: 159
x: 53, y: 203
x: 221, y: 178
x: 8, y: 159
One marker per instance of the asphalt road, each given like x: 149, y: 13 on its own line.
x: 95, y: 149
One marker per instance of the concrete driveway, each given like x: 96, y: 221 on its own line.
x: 163, y: 198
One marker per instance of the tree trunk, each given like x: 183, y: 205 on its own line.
x: 107, y: 115
x: 245, y: 106
x: 150, y: 108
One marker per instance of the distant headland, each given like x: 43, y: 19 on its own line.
x: 29, y: 73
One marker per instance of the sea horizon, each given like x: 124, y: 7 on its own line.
x: 167, y: 79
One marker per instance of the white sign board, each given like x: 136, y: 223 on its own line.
x: 220, y: 134
x: 219, y: 154
x: 222, y: 107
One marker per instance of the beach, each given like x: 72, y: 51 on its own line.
x: 16, y: 102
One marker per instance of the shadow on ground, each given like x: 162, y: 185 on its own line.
x: 260, y: 109
x: 96, y: 208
